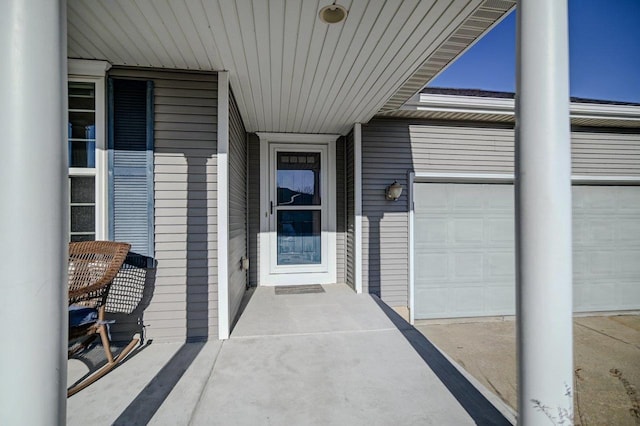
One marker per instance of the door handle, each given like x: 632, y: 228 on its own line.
x: 271, y: 209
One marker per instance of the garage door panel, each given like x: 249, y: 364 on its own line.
x: 464, y: 197
x: 501, y: 298
x: 498, y: 198
x: 465, y: 300
x: 628, y: 228
x: 467, y: 231
x: 499, y: 230
x: 580, y: 263
x: 500, y: 266
x: 437, y: 201
x: 630, y: 201
x: 432, y: 302
x: 432, y: 266
x: 629, y: 264
x: 435, y: 231
x: 630, y: 292
x: 595, y: 295
x: 579, y: 230
x: 601, y: 263
x: 600, y: 231
x: 467, y: 266
x: 597, y: 199
x: 465, y: 249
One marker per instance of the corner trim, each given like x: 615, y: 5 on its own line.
x: 411, y: 177
x: 357, y: 194
x: 223, y: 205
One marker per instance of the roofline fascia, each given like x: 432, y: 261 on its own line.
x: 506, y: 107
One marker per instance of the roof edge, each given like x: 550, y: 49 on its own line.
x: 485, y: 17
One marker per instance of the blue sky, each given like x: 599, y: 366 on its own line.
x: 604, y: 53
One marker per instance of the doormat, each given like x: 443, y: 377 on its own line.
x: 299, y: 289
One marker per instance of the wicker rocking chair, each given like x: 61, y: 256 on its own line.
x: 92, y: 267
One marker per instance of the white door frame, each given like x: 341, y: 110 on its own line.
x: 270, y: 273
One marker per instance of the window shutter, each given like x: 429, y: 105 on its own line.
x: 131, y: 163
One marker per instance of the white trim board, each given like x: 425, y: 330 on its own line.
x: 506, y: 106
x: 510, y: 178
x: 223, y: 206
x: 357, y: 195
x: 411, y: 178
x: 89, y: 68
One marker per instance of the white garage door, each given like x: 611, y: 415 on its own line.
x: 464, y: 249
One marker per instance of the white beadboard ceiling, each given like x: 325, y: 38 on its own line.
x: 289, y: 71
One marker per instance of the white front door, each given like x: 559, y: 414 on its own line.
x: 297, y: 238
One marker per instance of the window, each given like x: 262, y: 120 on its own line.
x: 87, y: 159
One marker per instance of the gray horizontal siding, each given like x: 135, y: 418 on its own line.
x: 185, y: 298
x: 237, y: 208
x: 605, y: 153
x: 391, y: 148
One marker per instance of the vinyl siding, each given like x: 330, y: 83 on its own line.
x: 184, y: 306
x: 350, y: 237
x: 392, y: 148
x: 605, y: 153
x: 237, y: 208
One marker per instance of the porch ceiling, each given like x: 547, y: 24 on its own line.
x: 289, y: 71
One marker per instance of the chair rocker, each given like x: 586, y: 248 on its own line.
x: 92, y: 267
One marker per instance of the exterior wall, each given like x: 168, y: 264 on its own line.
x: 392, y: 148
x: 254, y: 210
x: 605, y: 153
x: 350, y: 235
x: 184, y: 303
x: 237, y: 208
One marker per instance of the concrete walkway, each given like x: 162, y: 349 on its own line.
x: 293, y: 359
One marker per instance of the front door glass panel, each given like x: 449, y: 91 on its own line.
x: 299, y: 206
x: 298, y: 178
x: 299, y: 237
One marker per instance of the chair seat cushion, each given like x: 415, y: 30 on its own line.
x: 81, y: 315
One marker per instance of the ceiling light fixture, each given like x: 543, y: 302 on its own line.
x: 333, y: 14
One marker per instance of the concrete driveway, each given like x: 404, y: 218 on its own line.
x: 293, y: 359
x: 606, y: 363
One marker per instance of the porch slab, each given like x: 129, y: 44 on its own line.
x: 338, y: 309
x: 313, y: 359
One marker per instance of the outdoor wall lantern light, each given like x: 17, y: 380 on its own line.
x: 393, y: 191
x: 333, y: 14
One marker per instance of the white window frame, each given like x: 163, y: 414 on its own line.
x: 95, y: 72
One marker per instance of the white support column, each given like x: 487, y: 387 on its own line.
x: 33, y: 218
x: 357, y: 193
x: 223, y: 205
x: 543, y: 213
